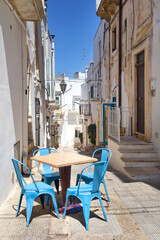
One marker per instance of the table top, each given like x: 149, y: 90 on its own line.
x: 63, y: 159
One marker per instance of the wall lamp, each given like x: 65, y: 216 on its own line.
x: 63, y: 86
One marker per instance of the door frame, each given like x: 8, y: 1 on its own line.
x: 144, y: 46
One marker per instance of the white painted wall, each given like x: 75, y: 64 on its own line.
x: 155, y: 76
x: 99, y: 55
x: 13, y: 72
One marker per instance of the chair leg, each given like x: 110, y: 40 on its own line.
x: 106, y: 189
x: 104, y: 214
x: 86, y: 211
x: 29, y: 206
x: 64, y: 214
x: 42, y: 200
x: 55, y: 203
x: 19, y: 204
x: 77, y: 180
x: 47, y: 199
x: 57, y: 185
x: 47, y: 181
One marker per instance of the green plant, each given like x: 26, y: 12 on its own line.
x: 81, y: 137
x: 92, y: 133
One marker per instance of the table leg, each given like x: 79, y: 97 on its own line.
x: 65, y: 175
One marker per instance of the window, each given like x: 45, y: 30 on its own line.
x: 58, y: 97
x: 114, y: 39
x: 92, y: 92
x: 125, y: 25
x: 114, y: 98
x: 57, y: 100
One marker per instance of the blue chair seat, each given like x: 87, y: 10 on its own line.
x: 84, y: 188
x: 54, y: 175
x: 31, y: 191
x: 41, y: 186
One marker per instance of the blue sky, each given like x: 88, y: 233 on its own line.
x: 74, y: 24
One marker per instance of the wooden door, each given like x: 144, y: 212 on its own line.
x: 140, y: 92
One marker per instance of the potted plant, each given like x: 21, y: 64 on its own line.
x: 92, y: 133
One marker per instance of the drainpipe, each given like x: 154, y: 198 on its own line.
x: 108, y: 96
x: 120, y: 50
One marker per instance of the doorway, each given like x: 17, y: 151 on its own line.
x: 140, y: 93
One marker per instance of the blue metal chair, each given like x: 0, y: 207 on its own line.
x: 31, y: 191
x: 48, y: 176
x: 87, y: 192
x: 88, y: 177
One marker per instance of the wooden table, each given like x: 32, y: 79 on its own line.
x: 63, y: 161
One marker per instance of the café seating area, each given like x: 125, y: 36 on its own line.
x: 85, y: 191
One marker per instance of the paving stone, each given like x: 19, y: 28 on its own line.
x: 97, y: 225
x: 150, y: 228
x: 58, y: 228
x: 154, y: 236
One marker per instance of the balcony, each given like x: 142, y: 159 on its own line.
x: 30, y: 10
x: 85, y: 108
x: 106, y: 8
x: 52, y: 105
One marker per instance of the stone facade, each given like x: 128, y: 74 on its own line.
x: 129, y: 33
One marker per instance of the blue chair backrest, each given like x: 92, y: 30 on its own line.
x: 20, y: 178
x: 98, y: 175
x: 104, y: 153
x: 100, y: 168
x: 44, y: 151
x: 18, y: 173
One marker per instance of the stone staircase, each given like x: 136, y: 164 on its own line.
x: 139, y: 159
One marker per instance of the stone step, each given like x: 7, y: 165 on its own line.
x: 138, y: 150
x: 136, y: 146
x: 138, y: 173
x: 141, y: 159
x: 141, y: 162
x: 138, y: 153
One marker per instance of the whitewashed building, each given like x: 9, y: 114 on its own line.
x: 155, y: 77
x: 68, y: 117
x: 95, y: 83
x: 27, y: 74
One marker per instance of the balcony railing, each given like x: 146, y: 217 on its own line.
x: 85, y: 109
